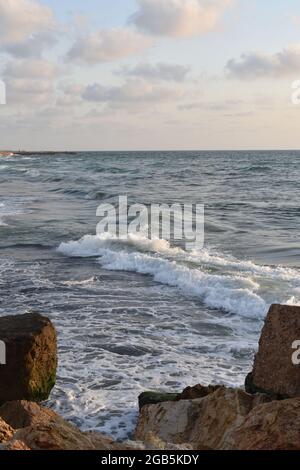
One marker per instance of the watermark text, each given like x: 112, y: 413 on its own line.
x: 178, y: 222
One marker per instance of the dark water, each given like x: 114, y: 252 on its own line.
x: 138, y: 315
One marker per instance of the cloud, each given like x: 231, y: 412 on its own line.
x: 257, y: 65
x: 108, y: 46
x: 33, y: 46
x: 160, y: 71
x: 69, y: 94
x: 30, y: 69
x: 211, y: 106
x: 26, y: 26
x: 21, y: 18
x: 25, y: 91
x: 29, y: 82
x: 133, y: 91
x: 179, y: 18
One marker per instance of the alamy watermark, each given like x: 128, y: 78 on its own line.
x: 296, y: 354
x: 179, y: 222
x: 2, y: 353
x: 295, y: 97
x: 2, y: 92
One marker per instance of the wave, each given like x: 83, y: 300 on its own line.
x: 220, y: 281
x: 222, y: 292
x: 92, y: 245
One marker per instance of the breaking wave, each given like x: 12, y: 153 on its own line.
x: 220, y: 281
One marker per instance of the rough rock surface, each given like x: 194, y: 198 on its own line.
x: 198, y: 391
x: 31, y: 357
x: 6, y: 431
x: 152, y: 398
x: 39, y: 428
x: 272, y: 426
x: 15, y: 445
x: 61, y: 435
x: 189, y: 393
x: 21, y: 414
x: 204, y: 423
x: 274, y: 371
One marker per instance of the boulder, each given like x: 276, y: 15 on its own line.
x: 39, y: 428
x: 189, y: 393
x: 61, y: 435
x: 15, y: 445
x: 31, y: 357
x: 152, y: 442
x: 204, y: 423
x: 273, y: 370
x: 198, y: 391
x: 6, y: 431
x: 152, y: 398
x: 270, y: 426
x: 58, y: 434
x: 21, y: 414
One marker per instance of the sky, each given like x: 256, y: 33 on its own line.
x: 150, y: 74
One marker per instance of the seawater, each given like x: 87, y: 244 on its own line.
x: 138, y: 314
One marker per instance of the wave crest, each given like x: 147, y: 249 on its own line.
x: 220, y: 281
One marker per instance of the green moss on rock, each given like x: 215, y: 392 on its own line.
x: 153, y: 398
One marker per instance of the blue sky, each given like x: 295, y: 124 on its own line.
x: 145, y: 74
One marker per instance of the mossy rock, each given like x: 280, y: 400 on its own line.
x: 153, y: 398
x: 31, y: 357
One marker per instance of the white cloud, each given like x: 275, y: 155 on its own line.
x: 19, y: 19
x: 30, y: 69
x: 133, y: 91
x: 179, y: 18
x: 257, y: 65
x: 30, y: 82
x: 28, y: 92
x: 160, y: 71
x: 34, y: 46
x: 108, y: 46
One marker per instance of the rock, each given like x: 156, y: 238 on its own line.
x: 31, y: 357
x: 198, y: 391
x: 152, y: 398
x: 152, y: 442
x: 40, y: 428
x: 271, y: 426
x: 189, y: 393
x: 274, y: 372
x: 60, y: 435
x: 204, y: 423
x: 6, y: 431
x: 15, y: 445
x: 21, y: 414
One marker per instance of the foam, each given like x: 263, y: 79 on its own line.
x: 84, y: 282
x: 231, y: 292
x: 91, y: 245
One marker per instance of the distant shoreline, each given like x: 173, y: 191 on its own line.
x: 7, y: 153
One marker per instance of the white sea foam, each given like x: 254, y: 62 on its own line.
x: 223, y: 292
x: 220, y: 281
x: 84, y: 282
x: 92, y: 245
x: 293, y: 301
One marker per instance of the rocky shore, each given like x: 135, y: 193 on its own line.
x: 263, y: 416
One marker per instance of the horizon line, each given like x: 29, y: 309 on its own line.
x: 151, y: 150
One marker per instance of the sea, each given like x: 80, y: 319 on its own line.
x: 137, y: 314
